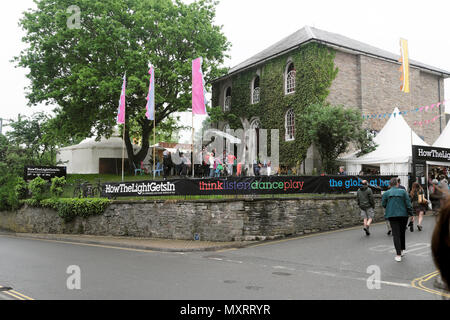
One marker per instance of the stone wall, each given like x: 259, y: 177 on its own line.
x: 224, y: 220
x: 373, y: 86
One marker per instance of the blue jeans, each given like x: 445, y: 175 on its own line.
x: 211, y: 172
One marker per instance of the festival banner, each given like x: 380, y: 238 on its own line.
x: 198, y: 88
x: 121, y: 111
x: 45, y: 172
x: 151, y: 96
x: 272, y: 185
x: 404, y: 69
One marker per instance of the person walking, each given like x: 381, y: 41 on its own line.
x: 419, y: 204
x: 366, y: 203
x: 398, y: 208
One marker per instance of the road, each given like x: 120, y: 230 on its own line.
x: 333, y: 265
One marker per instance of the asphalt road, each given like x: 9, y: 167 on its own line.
x: 334, y: 265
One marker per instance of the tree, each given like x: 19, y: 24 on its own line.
x: 80, y: 68
x: 333, y: 129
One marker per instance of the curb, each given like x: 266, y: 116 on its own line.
x: 127, y: 246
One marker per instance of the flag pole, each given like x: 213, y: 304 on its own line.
x: 123, y: 151
x: 154, y: 146
x: 193, y: 147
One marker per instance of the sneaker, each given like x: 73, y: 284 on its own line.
x: 411, y: 226
x: 398, y: 258
x: 367, y: 231
x: 419, y: 227
x: 389, y: 232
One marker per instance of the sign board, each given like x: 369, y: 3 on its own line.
x: 245, y: 186
x: 46, y: 173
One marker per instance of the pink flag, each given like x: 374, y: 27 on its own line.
x: 121, y: 111
x: 151, y: 96
x: 198, y: 88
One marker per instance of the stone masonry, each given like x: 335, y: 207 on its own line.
x: 224, y: 220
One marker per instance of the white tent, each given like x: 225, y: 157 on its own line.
x: 84, y: 158
x: 444, y: 139
x: 394, y: 151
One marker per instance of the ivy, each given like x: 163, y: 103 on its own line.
x: 315, y: 73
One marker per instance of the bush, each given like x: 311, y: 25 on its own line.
x: 8, y: 198
x: 37, y: 187
x: 57, y: 187
x: 68, y: 209
x: 21, y: 188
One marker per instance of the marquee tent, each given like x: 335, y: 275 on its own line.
x: 444, y: 139
x: 394, y: 151
x: 94, y: 157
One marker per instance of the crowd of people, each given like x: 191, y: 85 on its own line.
x: 212, y: 164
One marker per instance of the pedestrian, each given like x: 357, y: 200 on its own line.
x: 269, y: 168
x: 436, y: 196
x: 419, y: 204
x: 342, y: 171
x: 440, y: 244
x: 212, y: 163
x: 231, y: 158
x: 398, y: 208
x: 400, y: 184
x: 366, y: 203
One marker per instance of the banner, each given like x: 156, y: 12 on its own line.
x: 198, y: 88
x: 46, y: 173
x: 151, y: 96
x: 404, y: 69
x: 121, y: 111
x: 245, y: 186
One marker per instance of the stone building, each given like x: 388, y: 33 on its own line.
x: 368, y: 79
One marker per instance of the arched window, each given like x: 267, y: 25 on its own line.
x: 255, y: 90
x: 227, y: 104
x: 290, y: 78
x: 290, y: 125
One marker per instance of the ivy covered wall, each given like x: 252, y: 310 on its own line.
x: 315, y: 72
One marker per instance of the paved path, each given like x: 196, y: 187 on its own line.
x: 333, y: 265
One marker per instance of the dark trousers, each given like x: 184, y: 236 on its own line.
x: 398, y: 225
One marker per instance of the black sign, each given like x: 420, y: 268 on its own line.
x: 421, y: 153
x: 46, y: 173
x: 246, y: 186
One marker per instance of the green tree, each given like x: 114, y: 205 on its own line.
x: 333, y: 129
x: 80, y: 69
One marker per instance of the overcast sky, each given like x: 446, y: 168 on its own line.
x: 253, y: 25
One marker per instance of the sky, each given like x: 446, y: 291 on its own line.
x: 253, y: 25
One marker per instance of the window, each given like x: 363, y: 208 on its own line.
x: 227, y: 104
x: 290, y: 125
x: 255, y: 90
x: 290, y: 79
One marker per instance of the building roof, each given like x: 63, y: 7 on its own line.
x: 310, y: 34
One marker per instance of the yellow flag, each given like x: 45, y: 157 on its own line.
x: 405, y: 66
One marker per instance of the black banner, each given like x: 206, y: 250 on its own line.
x: 46, y: 173
x: 421, y: 153
x: 244, y: 186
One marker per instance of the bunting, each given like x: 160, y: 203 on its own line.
x: 414, y: 110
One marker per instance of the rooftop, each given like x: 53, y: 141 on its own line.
x: 310, y: 34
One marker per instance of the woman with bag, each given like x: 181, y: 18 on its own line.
x: 420, y: 205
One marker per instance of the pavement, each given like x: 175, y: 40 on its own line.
x: 337, y: 265
x: 149, y: 244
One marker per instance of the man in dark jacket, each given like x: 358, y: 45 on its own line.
x: 366, y: 203
x: 398, y: 207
